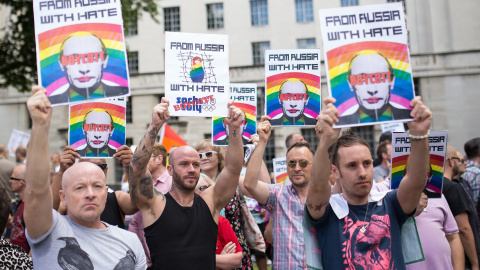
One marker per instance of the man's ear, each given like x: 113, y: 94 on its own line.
x: 335, y: 171
x: 160, y: 159
x: 170, y: 170
x: 62, y: 197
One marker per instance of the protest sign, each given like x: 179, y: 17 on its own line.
x: 197, y: 74
x: 80, y: 50
x: 97, y: 128
x: 292, y: 79
x: 17, y: 138
x: 393, y: 127
x: 401, y: 151
x: 244, y: 96
x: 280, y: 170
x: 368, y: 63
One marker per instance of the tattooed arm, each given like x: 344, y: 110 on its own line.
x: 149, y: 200
x: 319, y: 191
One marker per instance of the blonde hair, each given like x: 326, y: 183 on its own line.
x: 221, y: 156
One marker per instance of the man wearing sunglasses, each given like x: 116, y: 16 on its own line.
x: 17, y: 236
x: 180, y: 226
x: 284, y: 202
x: 462, y: 207
x: 225, y: 139
x: 354, y: 230
x: 79, y: 240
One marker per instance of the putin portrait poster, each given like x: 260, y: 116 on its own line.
x: 80, y: 50
x: 97, y: 128
x: 244, y: 96
x: 368, y: 63
x: 197, y: 77
x: 292, y: 79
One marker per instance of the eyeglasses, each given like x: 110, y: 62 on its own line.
x: 208, y: 154
x: 15, y: 179
x: 202, y: 188
x: 102, y: 166
x: 461, y: 160
x: 293, y: 163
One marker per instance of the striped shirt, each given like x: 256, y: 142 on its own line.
x: 472, y: 176
x: 287, y: 211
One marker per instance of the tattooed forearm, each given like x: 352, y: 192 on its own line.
x: 158, y: 193
x: 316, y: 207
x: 234, y: 133
x: 153, y: 133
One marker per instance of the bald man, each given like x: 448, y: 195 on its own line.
x: 98, y: 129
x: 371, y: 79
x: 79, y: 240
x: 83, y: 57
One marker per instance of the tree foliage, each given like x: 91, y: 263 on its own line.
x: 18, y: 65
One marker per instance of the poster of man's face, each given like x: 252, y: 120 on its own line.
x: 293, y: 98
x: 97, y: 128
x: 83, y: 59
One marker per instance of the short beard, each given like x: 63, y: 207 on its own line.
x: 177, y: 180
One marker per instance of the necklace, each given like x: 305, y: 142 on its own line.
x: 364, y: 226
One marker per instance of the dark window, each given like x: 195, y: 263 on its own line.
x: 346, y: 3
x: 306, y: 43
x: 171, y: 19
x: 258, y: 49
x: 215, y: 16
x: 207, y: 136
x: 270, y: 152
x: 133, y: 62
x: 304, y: 10
x: 367, y: 133
x: 311, y: 137
x: 259, y: 12
x: 131, y: 28
x: 128, y: 110
x: 129, y: 142
x: 416, y: 86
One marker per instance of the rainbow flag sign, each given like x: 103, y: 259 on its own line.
x: 245, y: 98
x: 401, y: 151
x: 97, y: 128
x: 280, y: 170
x: 197, y: 75
x: 292, y: 78
x: 169, y: 138
x: 368, y: 63
x: 80, y: 50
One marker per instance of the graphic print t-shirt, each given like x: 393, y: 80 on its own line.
x: 344, y: 245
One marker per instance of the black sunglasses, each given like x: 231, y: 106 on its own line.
x: 102, y: 166
x: 15, y: 179
x: 459, y: 159
x: 208, y: 154
x: 293, y: 163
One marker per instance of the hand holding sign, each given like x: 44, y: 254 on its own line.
x: 327, y: 118
x: 264, y: 129
x: 160, y: 113
x: 422, y: 118
x: 124, y: 155
x: 67, y: 157
x: 39, y: 106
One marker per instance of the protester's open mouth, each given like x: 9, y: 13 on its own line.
x: 97, y: 142
x: 84, y: 78
x: 292, y: 110
x: 373, y: 100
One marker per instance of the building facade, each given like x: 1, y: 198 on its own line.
x: 444, y: 47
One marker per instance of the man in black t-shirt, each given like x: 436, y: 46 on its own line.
x: 462, y: 209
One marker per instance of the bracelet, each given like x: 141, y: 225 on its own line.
x: 126, y: 169
x: 417, y: 138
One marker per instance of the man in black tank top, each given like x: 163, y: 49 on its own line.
x: 118, y: 203
x: 181, y: 227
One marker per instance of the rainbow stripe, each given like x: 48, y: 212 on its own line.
x: 436, y: 163
x: 53, y: 78
x: 396, y: 53
x: 273, y: 86
x: 280, y: 179
x: 77, y: 115
x: 197, y: 73
x: 251, y: 127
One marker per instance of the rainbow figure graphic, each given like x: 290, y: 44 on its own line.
x: 435, y: 175
x: 338, y: 61
x: 196, y: 72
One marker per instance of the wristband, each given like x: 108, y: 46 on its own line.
x: 417, y: 138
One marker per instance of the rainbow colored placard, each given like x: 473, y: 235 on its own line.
x: 76, y: 133
x: 401, y: 152
x: 280, y: 170
x: 294, y: 67
x: 368, y: 31
x: 55, y: 27
x: 245, y: 98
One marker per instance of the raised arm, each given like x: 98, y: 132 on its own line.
x: 258, y: 189
x: 67, y: 159
x: 142, y: 192
x: 320, y: 190
x: 227, y: 182
x: 413, y: 183
x: 38, y: 196
x: 124, y: 156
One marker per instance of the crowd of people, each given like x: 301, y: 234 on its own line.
x: 189, y: 208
